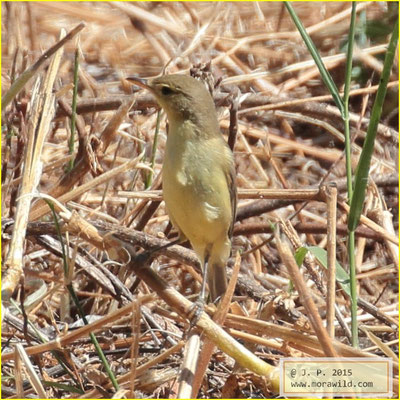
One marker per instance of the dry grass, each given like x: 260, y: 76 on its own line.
x: 288, y: 140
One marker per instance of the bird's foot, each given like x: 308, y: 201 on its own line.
x: 195, y: 312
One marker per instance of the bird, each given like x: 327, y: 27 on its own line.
x: 198, y: 174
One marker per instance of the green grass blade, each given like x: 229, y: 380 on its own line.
x: 75, y: 299
x: 325, y: 75
x: 347, y: 84
x: 32, y: 70
x: 361, y: 177
x: 149, y: 177
x: 349, y: 176
x: 73, y: 116
x: 59, y: 357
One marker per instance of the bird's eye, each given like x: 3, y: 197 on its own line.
x: 166, y: 90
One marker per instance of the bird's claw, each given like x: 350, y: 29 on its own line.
x: 195, y: 312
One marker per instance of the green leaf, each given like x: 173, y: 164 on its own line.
x: 342, y: 277
x: 300, y: 254
x: 62, y: 386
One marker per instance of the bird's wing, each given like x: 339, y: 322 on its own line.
x: 231, y: 180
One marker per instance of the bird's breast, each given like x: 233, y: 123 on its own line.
x: 194, y: 187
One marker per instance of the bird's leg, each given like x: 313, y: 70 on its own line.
x: 202, y: 295
x: 198, y: 306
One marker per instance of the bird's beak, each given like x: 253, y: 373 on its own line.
x: 139, y: 82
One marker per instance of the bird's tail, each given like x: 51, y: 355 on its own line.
x: 217, y: 280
